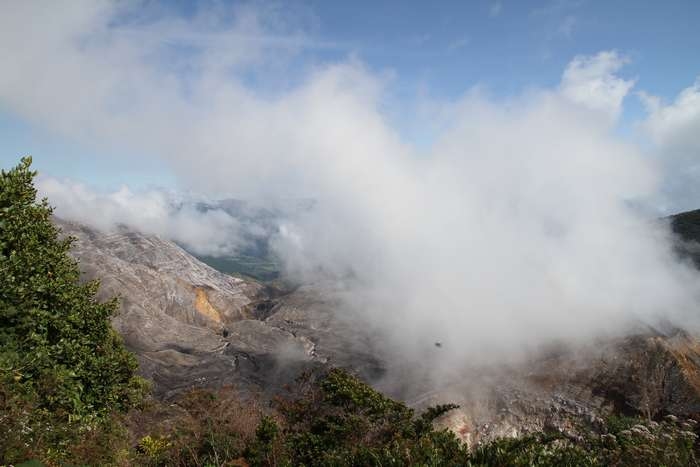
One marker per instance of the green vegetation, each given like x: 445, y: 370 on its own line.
x: 261, y: 267
x: 624, y: 441
x: 64, y: 372
x: 342, y: 421
x: 334, y: 419
x: 327, y: 419
x: 69, y: 394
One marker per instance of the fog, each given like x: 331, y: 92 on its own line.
x: 517, y: 225
x: 211, y: 232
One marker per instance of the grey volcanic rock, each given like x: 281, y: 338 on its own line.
x: 190, y: 325
x: 313, y: 314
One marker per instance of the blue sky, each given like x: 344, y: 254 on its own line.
x: 425, y: 50
x: 449, y: 46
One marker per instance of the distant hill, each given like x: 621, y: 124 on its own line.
x: 687, y: 226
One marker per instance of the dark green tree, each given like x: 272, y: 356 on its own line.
x: 60, y: 359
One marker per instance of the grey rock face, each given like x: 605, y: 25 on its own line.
x: 183, y: 319
x: 190, y: 325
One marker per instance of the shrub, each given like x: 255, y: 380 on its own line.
x: 334, y: 419
x: 627, y: 441
x: 201, y: 427
x: 340, y: 420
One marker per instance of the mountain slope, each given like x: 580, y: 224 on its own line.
x: 193, y: 326
x: 190, y: 325
x: 177, y: 314
x: 686, y: 226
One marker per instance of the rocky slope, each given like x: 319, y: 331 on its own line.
x: 193, y: 326
x: 646, y: 374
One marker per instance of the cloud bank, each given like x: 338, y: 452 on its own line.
x: 512, y: 229
x: 673, y: 130
x: 591, y: 82
x: 211, y: 232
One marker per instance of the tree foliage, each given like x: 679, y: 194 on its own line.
x: 61, y: 362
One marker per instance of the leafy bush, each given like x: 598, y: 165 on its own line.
x: 330, y: 418
x: 201, y: 427
x: 339, y: 420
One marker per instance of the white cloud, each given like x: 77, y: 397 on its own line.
x: 516, y: 228
x: 674, y: 130
x: 495, y: 9
x: 676, y: 123
x: 513, y: 229
x: 591, y: 81
x: 206, y: 232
